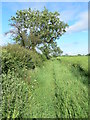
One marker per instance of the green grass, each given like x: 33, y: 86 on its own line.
x: 81, y: 61
x: 60, y: 92
x: 15, y: 96
x: 57, y: 89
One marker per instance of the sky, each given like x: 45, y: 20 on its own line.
x: 74, y: 41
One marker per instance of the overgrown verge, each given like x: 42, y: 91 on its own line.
x: 80, y: 69
x: 16, y: 61
x: 15, y: 96
x: 77, y: 66
x: 14, y: 56
x: 71, y: 95
x: 77, y: 61
x: 77, y: 70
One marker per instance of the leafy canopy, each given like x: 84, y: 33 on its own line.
x: 34, y: 28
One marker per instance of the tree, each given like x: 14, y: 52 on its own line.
x: 88, y: 54
x: 57, y: 52
x: 44, y: 28
x: 79, y: 55
x: 66, y: 54
x: 46, y: 50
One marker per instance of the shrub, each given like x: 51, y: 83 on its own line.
x: 17, y: 57
x: 16, y: 61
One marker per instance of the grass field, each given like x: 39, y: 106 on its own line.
x: 57, y: 89
x: 60, y: 89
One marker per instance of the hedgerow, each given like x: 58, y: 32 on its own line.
x: 15, y: 56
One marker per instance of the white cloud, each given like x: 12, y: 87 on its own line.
x: 72, y: 49
x: 80, y: 25
x: 75, y: 52
x: 4, y: 40
x: 67, y: 15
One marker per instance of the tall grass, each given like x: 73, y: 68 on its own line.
x: 57, y: 88
x: 59, y: 93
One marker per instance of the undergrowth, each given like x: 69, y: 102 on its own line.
x: 33, y: 87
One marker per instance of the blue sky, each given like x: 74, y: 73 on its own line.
x: 74, y: 41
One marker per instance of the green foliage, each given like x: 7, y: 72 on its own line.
x: 51, y: 50
x: 56, y: 51
x: 45, y: 23
x: 44, y: 27
x: 16, y: 89
x: 15, y: 96
x: 46, y: 50
x: 56, y: 89
x: 88, y: 54
x: 17, y: 57
x: 79, y: 54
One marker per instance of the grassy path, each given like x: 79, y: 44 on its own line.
x: 56, y: 92
x: 43, y: 95
x: 72, y: 94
